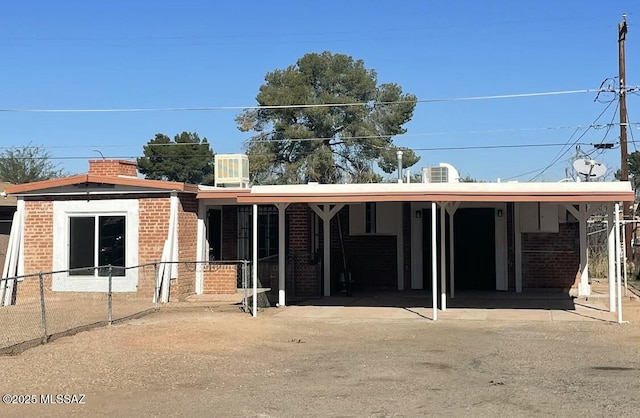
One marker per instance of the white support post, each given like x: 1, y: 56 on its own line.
x: 254, y: 266
x: 583, y: 287
x: 326, y: 214
x: 517, y: 244
x: 624, y: 255
x: 611, y: 256
x: 400, y: 246
x: 443, y: 257
x: 434, y: 263
x: 282, y: 208
x: 452, y: 281
x: 201, y: 246
x: 326, y: 232
x: 618, y: 269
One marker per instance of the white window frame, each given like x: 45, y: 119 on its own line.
x: 62, y: 212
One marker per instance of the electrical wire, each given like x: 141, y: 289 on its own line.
x: 558, y: 157
x: 471, y: 147
x: 609, y: 125
x: 403, y: 136
x: 300, y: 106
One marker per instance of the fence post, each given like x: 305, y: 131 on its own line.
x: 245, y: 285
x: 155, y: 284
x: 42, y: 309
x: 109, y: 296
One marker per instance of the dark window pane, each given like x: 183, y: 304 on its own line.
x: 370, y: 218
x: 215, y: 234
x: 81, y: 245
x: 111, y: 234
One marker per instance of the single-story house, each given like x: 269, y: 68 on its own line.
x: 308, y: 240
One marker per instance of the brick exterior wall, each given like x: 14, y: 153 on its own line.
x: 154, y: 211
x: 185, y: 284
x: 38, y: 246
x: 371, y: 259
x: 304, y: 269
x: 152, y: 233
x: 551, y: 260
x: 113, y: 168
x: 220, y: 279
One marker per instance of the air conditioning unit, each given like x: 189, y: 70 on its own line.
x: 231, y: 170
x: 442, y: 173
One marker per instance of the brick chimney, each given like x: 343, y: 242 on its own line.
x: 113, y: 168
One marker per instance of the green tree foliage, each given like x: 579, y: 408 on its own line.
x: 27, y: 164
x: 633, y: 161
x: 326, y: 143
x: 469, y: 179
x: 186, y: 159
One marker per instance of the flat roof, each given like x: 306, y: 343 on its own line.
x: 441, y: 192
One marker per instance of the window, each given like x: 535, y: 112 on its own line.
x: 267, y: 232
x: 214, y: 234
x: 88, y: 233
x: 97, y: 241
x: 370, y: 218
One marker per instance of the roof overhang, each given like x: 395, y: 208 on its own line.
x: 441, y: 192
x: 66, y: 185
x: 211, y: 192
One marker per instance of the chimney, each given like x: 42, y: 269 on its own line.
x: 113, y: 168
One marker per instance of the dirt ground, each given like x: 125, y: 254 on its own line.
x: 205, y: 361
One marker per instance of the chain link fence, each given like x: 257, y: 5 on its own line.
x: 32, y: 314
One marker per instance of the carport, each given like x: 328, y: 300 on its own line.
x: 530, y: 201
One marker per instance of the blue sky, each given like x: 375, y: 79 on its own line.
x: 131, y: 54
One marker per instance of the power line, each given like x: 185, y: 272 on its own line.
x: 407, y: 135
x: 300, y: 106
x: 559, y: 156
x: 471, y: 147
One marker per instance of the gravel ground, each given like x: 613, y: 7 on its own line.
x: 205, y: 361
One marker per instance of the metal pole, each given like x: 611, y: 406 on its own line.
x: 434, y: 263
x: 618, y: 272
x: 245, y: 268
x: 155, y: 284
x: 282, y: 208
x: 42, y: 309
x: 399, y: 155
x: 452, y: 287
x: 254, y: 310
x: 611, y: 259
x: 624, y: 255
x: 109, y: 296
x: 443, y: 260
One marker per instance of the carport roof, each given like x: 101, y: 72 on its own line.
x: 441, y: 192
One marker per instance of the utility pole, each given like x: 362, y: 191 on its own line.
x: 622, y: 35
x: 624, y: 164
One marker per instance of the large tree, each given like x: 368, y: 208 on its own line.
x: 186, y: 159
x: 294, y: 144
x: 27, y: 164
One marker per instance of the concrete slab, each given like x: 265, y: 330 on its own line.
x: 502, y: 307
